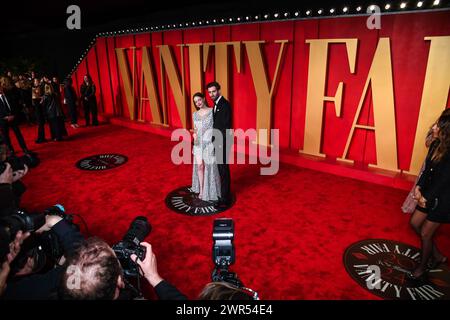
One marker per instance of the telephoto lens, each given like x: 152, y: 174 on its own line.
x: 139, y: 229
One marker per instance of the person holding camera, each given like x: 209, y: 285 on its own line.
x: 44, y: 286
x: 95, y: 273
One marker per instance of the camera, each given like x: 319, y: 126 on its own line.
x: 43, y: 248
x: 223, y: 253
x: 139, y: 229
x: 30, y: 159
x: 21, y: 220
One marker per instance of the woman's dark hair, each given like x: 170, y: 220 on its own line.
x: 223, y: 291
x: 443, y: 148
x: 197, y: 94
x: 89, y: 78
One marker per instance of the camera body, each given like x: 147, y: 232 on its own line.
x: 123, y: 251
x: 43, y: 248
x: 223, y: 252
x: 31, y: 160
x: 223, y: 247
x: 139, y: 229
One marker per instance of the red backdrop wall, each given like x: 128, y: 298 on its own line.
x: 409, y: 52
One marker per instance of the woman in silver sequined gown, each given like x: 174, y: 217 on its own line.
x: 205, y: 174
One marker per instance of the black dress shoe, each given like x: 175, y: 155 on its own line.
x: 41, y: 140
x: 224, y: 202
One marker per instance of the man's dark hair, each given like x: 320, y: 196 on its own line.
x: 98, y: 269
x: 213, y: 84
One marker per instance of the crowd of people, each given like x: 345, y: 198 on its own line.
x: 88, y: 267
x: 40, y: 100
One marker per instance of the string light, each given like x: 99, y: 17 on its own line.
x: 276, y: 15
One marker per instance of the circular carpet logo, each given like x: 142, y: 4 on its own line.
x: 184, y: 201
x: 382, y: 267
x: 101, y: 162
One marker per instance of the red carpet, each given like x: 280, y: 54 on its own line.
x: 291, y: 229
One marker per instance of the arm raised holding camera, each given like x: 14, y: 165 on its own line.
x: 164, y: 289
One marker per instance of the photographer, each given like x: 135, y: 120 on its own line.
x: 44, y: 286
x: 94, y: 273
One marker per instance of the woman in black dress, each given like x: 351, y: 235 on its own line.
x: 54, y: 113
x: 433, y: 195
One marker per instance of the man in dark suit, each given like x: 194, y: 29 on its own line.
x: 222, y: 121
x: 9, y: 110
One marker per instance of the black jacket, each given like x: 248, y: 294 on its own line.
x: 13, y: 99
x: 166, y: 291
x: 70, y: 94
x: 52, y: 106
x: 87, y: 91
x: 223, y: 116
x: 434, y: 182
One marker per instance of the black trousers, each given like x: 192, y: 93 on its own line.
x: 224, y: 172
x: 56, y: 127
x: 4, y: 127
x: 90, y: 107
x: 40, y: 119
x: 73, y: 112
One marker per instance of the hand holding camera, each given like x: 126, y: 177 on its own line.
x: 7, y: 175
x: 148, y: 265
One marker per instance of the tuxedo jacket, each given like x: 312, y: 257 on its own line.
x: 223, y: 116
x: 13, y: 102
x: 435, y: 182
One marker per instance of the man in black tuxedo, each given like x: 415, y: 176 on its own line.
x: 9, y: 110
x: 222, y: 122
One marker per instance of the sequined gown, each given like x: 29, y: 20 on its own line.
x: 205, y: 148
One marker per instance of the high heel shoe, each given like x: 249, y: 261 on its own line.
x: 434, y: 264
